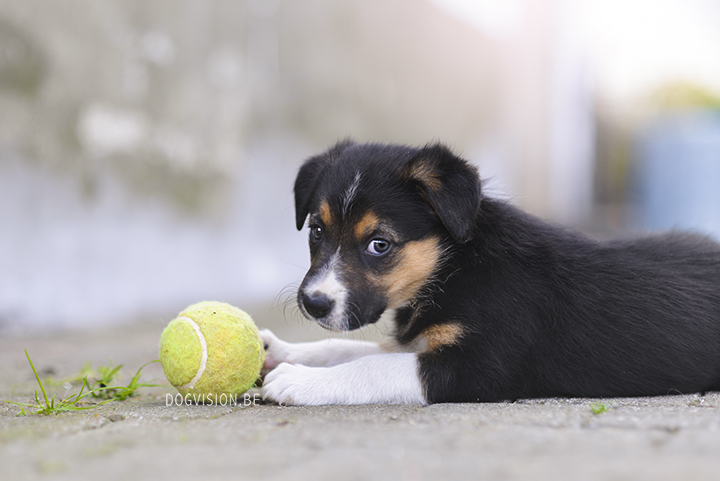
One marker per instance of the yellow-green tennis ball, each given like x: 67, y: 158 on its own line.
x: 210, y: 349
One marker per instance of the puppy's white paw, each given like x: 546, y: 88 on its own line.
x: 375, y: 379
x: 276, y: 351
x: 290, y: 384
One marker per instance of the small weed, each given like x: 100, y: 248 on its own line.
x: 100, y: 389
x: 105, y: 377
x: 599, y: 408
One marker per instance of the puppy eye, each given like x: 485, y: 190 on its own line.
x: 378, y: 247
x: 316, y: 233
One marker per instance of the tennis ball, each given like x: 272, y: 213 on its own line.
x: 210, y: 349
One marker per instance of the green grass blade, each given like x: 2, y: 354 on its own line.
x: 69, y: 403
x: 42, y: 388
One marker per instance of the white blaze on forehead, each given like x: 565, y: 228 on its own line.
x: 328, y: 283
x: 350, y: 193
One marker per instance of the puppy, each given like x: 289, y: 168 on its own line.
x: 488, y: 303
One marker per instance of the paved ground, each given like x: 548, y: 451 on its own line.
x: 674, y: 437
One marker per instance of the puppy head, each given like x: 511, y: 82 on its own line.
x: 380, y: 218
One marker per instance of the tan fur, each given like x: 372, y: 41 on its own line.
x: 441, y: 335
x: 325, y: 214
x: 418, y: 260
x: 432, y: 338
x: 425, y: 173
x: 367, y: 224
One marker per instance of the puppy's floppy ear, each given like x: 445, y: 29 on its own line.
x: 308, y: 180
x: 450, y: 185
x: 305, y: 184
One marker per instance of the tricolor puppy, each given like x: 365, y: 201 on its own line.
x: 488, y: 303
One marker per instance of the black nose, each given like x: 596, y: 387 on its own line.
x: 317, y: 305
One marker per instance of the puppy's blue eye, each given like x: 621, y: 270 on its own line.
x: 378, y: 247
x: 316, y: 233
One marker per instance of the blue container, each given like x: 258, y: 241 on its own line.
x: 678, y: 175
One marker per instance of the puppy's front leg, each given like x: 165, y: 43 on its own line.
x: 374, y: 379
x: 325, y: 353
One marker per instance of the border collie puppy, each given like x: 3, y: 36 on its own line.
x: 488, y: 303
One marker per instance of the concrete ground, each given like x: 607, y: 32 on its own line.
x: 673, y: 437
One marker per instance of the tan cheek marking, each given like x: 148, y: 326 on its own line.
x: 441, y: 335
x: 418, y: 260
x: 325, y: 214
x: 367, y: 224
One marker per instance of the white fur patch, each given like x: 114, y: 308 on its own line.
x: 324, y: 353
x: 374, y: 379
x: 350, y: 194
x: 328, y: 283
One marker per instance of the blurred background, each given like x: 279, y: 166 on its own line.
x: 148, y: 147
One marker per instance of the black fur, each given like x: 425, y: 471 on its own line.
x: 545, y: 311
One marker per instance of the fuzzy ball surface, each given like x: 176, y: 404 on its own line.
x: 211, y: 348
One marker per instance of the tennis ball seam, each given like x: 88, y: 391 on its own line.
x: 203, y: 359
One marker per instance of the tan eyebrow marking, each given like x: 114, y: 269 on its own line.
x: 325, y: 214
x: 366, y: 225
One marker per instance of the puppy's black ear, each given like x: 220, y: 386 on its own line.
x: 308, y: 180
x: 305, y: 184
x: 450, y: 185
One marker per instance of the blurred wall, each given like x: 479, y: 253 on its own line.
x: 148, y: 148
